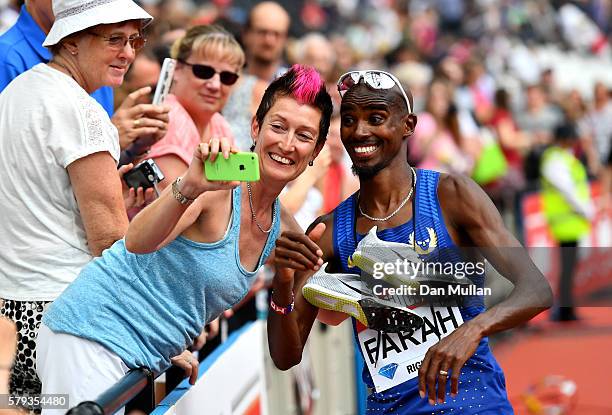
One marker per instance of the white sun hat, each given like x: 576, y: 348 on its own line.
x: 72, y: 16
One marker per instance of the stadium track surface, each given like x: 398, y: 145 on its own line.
x: 580, y: 351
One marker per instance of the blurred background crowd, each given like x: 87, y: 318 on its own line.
x: 482, y: 73
x: 486, y: 75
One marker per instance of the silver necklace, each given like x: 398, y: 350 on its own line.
x: 253, y: 211
x: 414, y: 180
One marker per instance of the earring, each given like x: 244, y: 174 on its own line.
x: 311, y: 163
x: 252, y: 147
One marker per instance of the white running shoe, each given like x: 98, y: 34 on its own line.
x: 347, y: 294
x: 371, y: 251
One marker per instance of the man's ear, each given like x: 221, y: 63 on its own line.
x: 410, y: 122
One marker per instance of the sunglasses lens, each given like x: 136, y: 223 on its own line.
x: 228, y: 78
x: 203, y: 71
x: 379, y: 80
x: 374, y: 79
x: 348, y: 81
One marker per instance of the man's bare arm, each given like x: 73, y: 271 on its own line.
x: 297, y: 257
x: 475, y: 221
x: 484, y: 229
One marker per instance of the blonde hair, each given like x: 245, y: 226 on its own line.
x: 210, y: 41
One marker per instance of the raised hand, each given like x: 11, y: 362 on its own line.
x: 295, y: 257
x: 140, y: 124
x: 298, y: 251
x: 194, y: 182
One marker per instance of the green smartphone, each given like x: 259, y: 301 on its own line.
x: 243, y: 167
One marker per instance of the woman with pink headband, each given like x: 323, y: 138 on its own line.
x: 186, y: 258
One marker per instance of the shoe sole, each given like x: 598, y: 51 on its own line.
x: 326, y: 299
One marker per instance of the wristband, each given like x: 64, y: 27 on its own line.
x: 283, y: 311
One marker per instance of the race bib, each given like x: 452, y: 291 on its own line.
x: 400, y: 354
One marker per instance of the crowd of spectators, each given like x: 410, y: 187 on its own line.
x: 491, y: 81
x: 510, y: 69
x: 483, y: 73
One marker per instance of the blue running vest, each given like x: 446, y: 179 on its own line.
x: 482, y: 387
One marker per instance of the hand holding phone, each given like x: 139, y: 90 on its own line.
x: 146, y: 174
x: 165, y: 81
x: 195, y: 181
x: 242, y: 167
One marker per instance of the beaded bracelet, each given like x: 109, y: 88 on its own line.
x: 282, y: 310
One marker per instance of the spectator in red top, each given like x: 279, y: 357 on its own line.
x: 514, y: 144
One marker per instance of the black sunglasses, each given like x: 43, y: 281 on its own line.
x: 207, y: 72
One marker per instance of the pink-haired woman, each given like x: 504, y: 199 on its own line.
x: 186, y: 258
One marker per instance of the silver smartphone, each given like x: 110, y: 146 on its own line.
x: 165, y: 81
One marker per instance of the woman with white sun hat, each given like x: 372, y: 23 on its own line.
x: 63, y: 200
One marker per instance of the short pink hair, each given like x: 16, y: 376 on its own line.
x: 307, y: 83
x: 307, y: 87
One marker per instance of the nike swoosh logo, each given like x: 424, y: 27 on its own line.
x: 400, y: 256
x: 346, y: 284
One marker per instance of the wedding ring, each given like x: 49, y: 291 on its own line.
x: 136, y: 123
x: 443, y: 373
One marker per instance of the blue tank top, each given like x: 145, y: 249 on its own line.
x: 147, y: 308
x: 482, y: 388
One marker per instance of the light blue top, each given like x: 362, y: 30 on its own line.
x: 147, y: 308
x: 21, y: 48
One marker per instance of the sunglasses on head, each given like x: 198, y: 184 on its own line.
x: 207, y: 72
x: 375, y: 79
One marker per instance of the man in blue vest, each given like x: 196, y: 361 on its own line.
x: 139, y: 124
x: 457, y: 371
x: 567, y: 208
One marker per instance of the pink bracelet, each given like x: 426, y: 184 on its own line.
x: 282, y: 310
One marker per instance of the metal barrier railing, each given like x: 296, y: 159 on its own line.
x: 135, y: 388
x: 117, y: 396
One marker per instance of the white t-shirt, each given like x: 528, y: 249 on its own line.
x: 47, y: 121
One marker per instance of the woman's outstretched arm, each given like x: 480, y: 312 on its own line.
x: 151, y: 228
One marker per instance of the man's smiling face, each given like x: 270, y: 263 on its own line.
x: 373, y: 126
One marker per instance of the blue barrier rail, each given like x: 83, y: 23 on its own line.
x: 138, y: 380
x: 118, y: 395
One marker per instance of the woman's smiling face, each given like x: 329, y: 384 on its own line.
x: 287, y: 139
